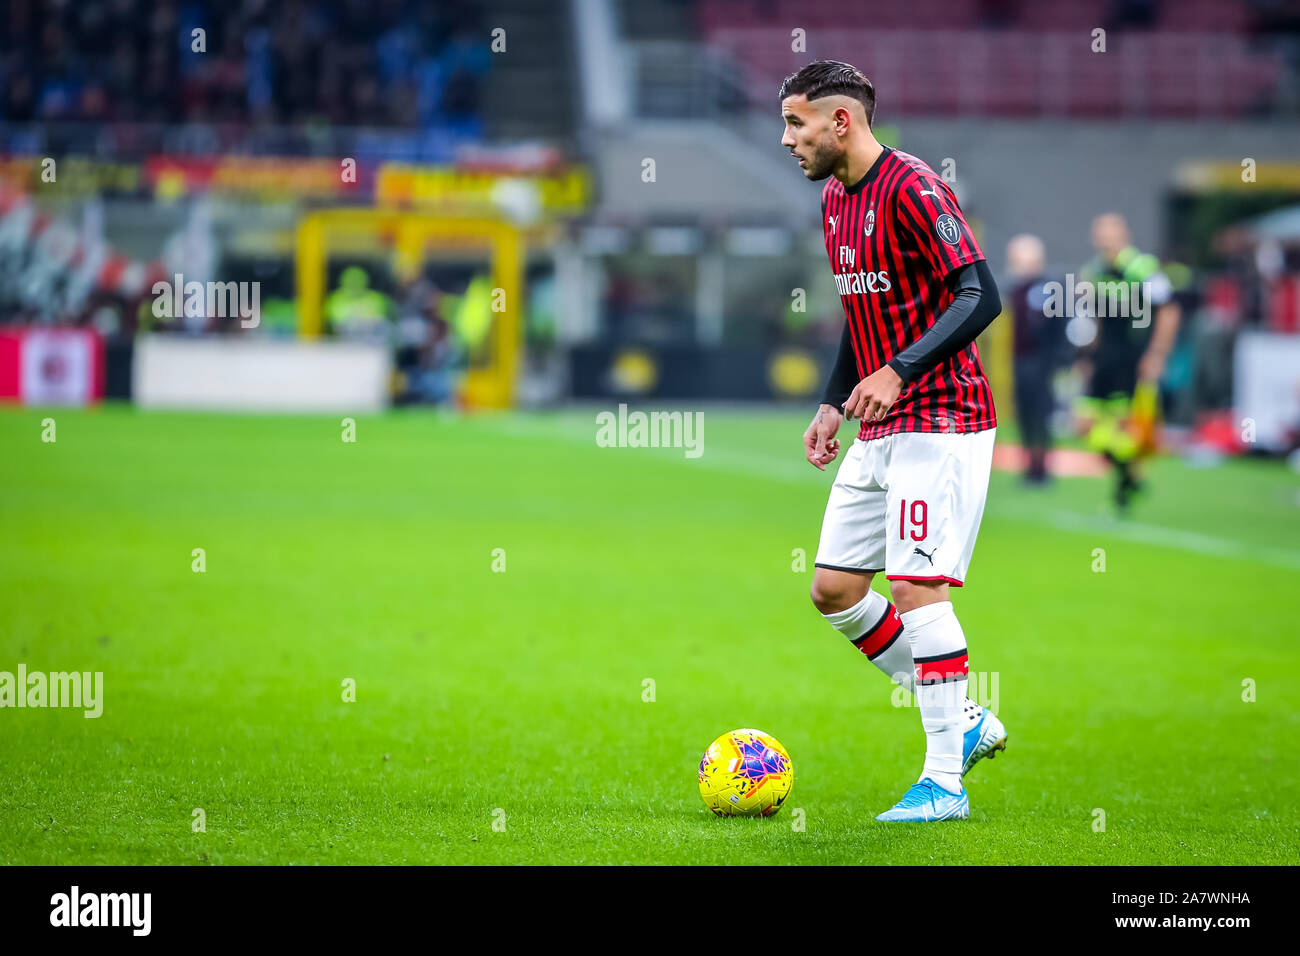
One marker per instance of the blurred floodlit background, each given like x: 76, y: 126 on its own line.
x: 349, y: 205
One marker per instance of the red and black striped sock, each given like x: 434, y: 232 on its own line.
x: 874, y: 627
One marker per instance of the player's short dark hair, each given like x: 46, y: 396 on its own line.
x: 830, y: 78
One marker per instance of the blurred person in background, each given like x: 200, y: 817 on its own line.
x: 354, y: 310
x: 414, y: 336
x: 1039, y: 341
x: 470, y: 315
x: 1127, y: 356
x: 429, y: 359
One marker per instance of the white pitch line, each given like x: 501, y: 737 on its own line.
x: 1153, y: 534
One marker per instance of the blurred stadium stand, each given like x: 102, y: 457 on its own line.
x: 679, y: 285
x: 947, y: 57
x: 279, y: 77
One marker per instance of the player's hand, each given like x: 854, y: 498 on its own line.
x: 874, y: 395
x: 820, y: 446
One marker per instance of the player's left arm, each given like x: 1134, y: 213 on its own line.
x: 975, y: 303
x: 937, y: 227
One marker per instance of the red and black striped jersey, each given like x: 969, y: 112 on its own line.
x: 892, y: 238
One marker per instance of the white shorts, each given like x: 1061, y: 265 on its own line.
x: 909, y: 505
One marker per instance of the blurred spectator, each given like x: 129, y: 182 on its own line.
x: 352, y: 62
x: 1039, y: 349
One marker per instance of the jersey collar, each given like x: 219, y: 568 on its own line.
x: 871, y: 173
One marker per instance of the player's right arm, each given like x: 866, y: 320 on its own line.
x: 819, y: 442
x: 820, y: 445
x: 1168, y: 317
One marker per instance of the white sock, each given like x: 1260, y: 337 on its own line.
x: 874, y: 628
x: 939, y: 654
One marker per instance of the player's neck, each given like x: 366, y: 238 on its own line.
x: 858, y: 162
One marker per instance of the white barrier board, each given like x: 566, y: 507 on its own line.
x: 220, y: 374
x: 1266, y: 385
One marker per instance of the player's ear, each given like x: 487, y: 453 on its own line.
x: 840, y: 120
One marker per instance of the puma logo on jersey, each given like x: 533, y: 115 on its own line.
x: 830, y: 221
x: 930, y: 192
x: 929, y: 557
x: 850, y: 283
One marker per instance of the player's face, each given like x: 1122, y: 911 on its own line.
x: 810, y: 137
x: 1109, y: 235
x: 1025, y: 256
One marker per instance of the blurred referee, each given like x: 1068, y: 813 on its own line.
x: 1128, y: 356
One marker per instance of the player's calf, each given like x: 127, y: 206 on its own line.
x: 870, y: 623
x: 939, y: 654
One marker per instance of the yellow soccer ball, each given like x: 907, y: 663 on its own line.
x: 745, y: 773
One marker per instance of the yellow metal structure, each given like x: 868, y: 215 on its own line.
x: 488, y: 386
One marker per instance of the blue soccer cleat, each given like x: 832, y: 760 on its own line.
x: 984, y: 739
x: 926, y: 801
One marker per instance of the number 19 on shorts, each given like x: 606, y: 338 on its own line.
x: 913, y: 519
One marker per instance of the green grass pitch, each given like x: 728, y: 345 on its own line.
x: 515, y: 697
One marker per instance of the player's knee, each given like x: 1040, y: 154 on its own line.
x: 828, y: 598
x: 837, y: 591
x: 909, y: 595
x: 823, y: 597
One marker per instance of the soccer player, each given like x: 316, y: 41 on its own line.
x: 1129, y: 351
x: 910, y: 492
